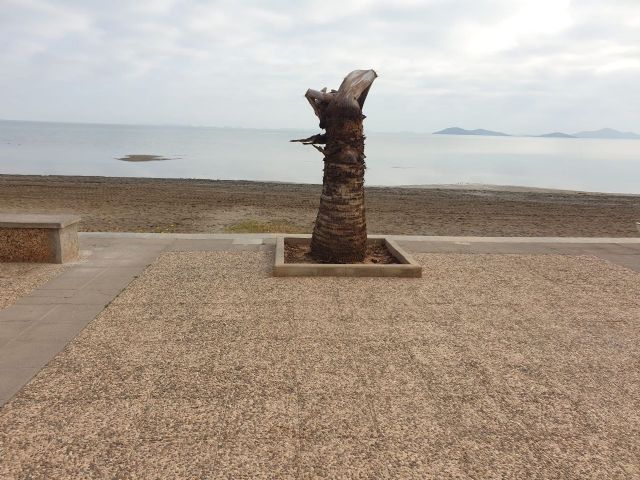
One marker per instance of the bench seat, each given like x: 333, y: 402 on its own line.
x: 40, y: 238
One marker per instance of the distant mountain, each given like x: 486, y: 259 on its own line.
x: 606, y: 133
x: 462, y: 131
x: 557, y: 135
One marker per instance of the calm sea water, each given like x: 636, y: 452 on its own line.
x: 392, y: 158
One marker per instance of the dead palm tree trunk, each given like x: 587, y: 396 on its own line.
x: 340, y: 231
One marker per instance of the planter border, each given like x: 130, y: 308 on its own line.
x: 407, y: 266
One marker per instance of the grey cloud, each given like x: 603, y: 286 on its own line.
x: 479, y: 63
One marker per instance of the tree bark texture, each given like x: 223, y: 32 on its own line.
x: 340, y: 231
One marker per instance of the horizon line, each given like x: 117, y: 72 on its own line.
x: 292, y: 129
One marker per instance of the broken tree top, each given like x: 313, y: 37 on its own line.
x: 352, y: 93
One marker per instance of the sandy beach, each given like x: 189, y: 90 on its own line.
x: 201, y: 206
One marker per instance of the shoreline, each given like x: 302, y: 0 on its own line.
x: 432, y: 186
x: 138, y: 204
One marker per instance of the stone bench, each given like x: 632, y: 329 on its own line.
x: 38, y: 238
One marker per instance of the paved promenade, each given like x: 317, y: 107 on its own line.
x: 511, y: 355
x: 40, y: 324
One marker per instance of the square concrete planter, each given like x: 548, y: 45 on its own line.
x: 406, y: 266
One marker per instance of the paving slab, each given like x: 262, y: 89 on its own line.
x: 54, y: 331
x: 482, y: 247
x: 73, y: 297
x: 200, y: 245
x: 13, y: 379
x: 24, y: 313
x: 73, y: 278
x: 104, y: 236
x: 10, y: 330
x: 247, y: 241
x: 29, y: 353
x: 630, y: 261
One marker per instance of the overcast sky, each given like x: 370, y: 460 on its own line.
x: 517, y: 66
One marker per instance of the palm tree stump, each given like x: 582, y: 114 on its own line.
x: 340, y: 231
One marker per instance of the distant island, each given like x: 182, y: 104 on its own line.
x: 607, y: 133
x: 462, y: 131
x: 604, y: 133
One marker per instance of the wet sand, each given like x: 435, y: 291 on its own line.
x: 207, y: 206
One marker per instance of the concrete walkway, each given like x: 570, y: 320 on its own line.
x: 40, y: 324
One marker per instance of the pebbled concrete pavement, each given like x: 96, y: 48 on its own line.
x: 497, y: 362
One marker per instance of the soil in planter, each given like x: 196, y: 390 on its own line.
x: 377, y: 253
